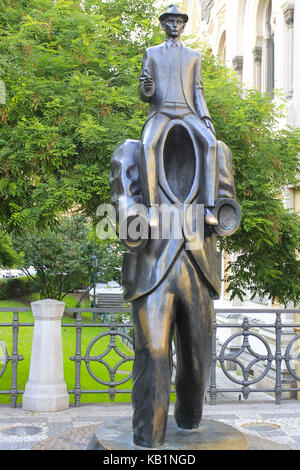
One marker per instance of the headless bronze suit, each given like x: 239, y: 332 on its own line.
x: 181, y: 301
x: 170, y: 283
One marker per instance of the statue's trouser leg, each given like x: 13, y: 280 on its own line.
x: 150, y: 138
x: 183, y: 298
x: 153, y: 318
x: 194, y: 322
x: 210, y: 165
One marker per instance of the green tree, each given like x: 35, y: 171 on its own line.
x: 70, y: 70
x: 62, y: 258
x: 266, y: 162
x: 8, y: 255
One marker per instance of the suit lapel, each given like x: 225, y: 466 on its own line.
x: 187, y: 80
x: 165, y: 67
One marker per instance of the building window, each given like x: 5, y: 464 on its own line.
x: 263, y: 52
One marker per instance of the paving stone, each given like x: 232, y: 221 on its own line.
x: 59, y: 428
x: 296, y: 447
x: 16, y: 446
x: 56, y: 424
x: 224, y: 416
x: 24, y: 420
x: 90, y: 419
x: 278, y: 415
x: 79, y: 439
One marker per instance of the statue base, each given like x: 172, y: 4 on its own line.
x: 117, y: 434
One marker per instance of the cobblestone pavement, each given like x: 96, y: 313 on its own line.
x: 258, y: 417
x: 277, y: 423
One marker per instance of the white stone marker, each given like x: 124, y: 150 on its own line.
x: 46, y: 389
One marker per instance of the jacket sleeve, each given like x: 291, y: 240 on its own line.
x: 199, y: 99
x: 146, y: 95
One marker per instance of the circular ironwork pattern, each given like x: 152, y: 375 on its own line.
x: 3, y: 357
x: 234, y: 357
x: 288, y: 357
x: 99, y: 358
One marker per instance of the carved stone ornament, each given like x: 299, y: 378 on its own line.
x: 257, y: 54
x: 238, y: 62
x: 206, y: 6
x: 289, y: 17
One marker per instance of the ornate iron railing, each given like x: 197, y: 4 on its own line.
x: 14, y: 358
x: 112, y: 329
x: 275, y: 358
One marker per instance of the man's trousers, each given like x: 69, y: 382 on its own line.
x: 151, y: 135
x: 181, y: 302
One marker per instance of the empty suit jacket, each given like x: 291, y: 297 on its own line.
x: 144, y: 270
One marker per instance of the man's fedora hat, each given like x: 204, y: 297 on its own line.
x: 173, y: 10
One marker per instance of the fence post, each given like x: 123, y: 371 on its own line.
x: 278, y: 358
x: 46, y: 389
x: 213, y: 381
x: 14, y: 360
x: 78, y: 360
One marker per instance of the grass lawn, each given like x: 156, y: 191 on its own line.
x: 69, y: 349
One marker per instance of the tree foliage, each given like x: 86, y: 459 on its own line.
x: 70, y: 70
x: 266, y: 162
x: 8, y: 255
x: 62, y: 258
x: 71, y: 73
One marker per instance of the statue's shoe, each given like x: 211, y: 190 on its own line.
x: 210, y: 218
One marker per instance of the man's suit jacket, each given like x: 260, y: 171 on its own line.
x: 156, y: 65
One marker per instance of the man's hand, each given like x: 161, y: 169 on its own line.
x: 209, y: 125
x: 148, y: 84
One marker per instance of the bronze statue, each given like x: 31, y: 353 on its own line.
x: 172, y: 281
x: 171, y: 81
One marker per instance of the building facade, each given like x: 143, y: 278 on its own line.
x: 259, y: 39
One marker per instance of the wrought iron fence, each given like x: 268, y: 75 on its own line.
x: 110, y: 328
x: 270, y: 359
x: 14, y: 358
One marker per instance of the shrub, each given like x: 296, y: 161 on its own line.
x: 16, y: 287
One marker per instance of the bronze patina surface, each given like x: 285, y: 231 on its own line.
x: 171, y: 281
x: 116, y: 434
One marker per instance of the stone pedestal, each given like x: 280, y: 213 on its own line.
x: 46, y: 389
x: 117, y: 434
